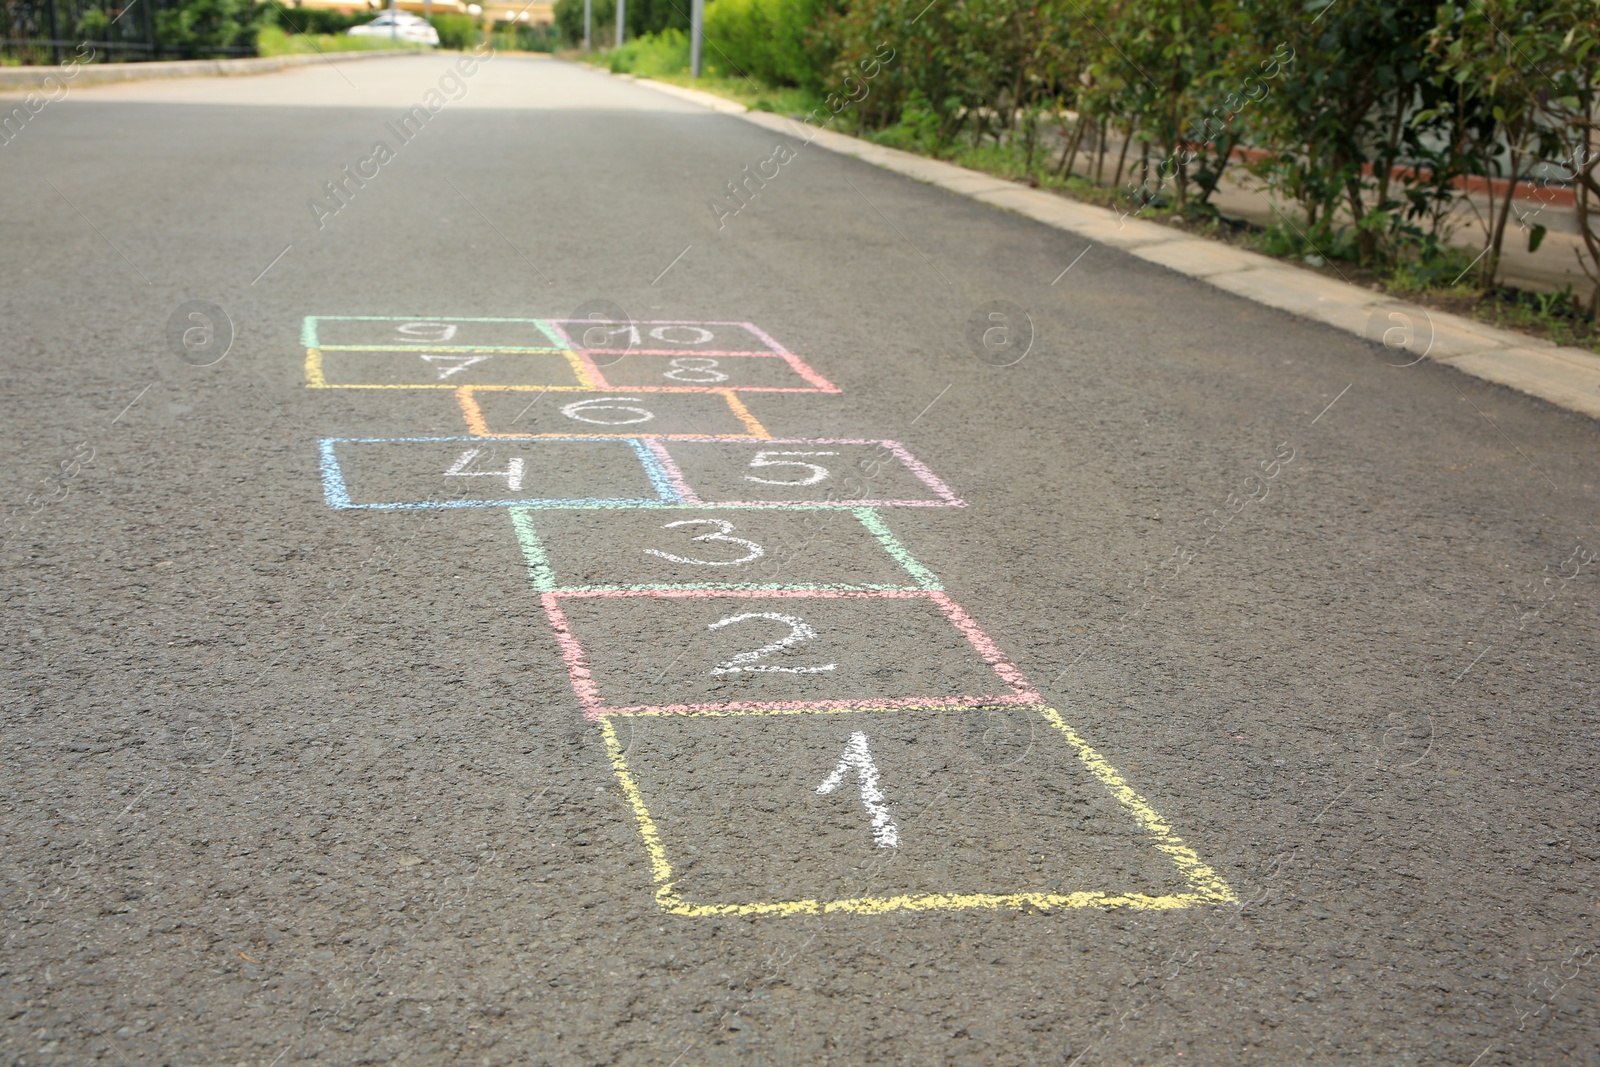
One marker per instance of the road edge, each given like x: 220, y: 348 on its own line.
x: 19, y: 79
x: 1568, y: 378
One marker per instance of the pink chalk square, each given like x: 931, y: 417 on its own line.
x: 839, y: 472
x: 665, y: 336
x: 696, y: 651
x: 767, y: 373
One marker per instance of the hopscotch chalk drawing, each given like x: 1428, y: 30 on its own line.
x: 377, y: 352
x: 677, y: 470
x: 754, y: 642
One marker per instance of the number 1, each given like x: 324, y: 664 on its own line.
x: 857, y: 758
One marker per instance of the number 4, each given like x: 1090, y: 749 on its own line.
x: 512, y: 474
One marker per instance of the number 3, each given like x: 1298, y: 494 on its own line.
x: 818, y: 472
x: 756, y: 551
x: 798, y: 631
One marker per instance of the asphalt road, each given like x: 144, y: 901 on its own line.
x: 294, y: 773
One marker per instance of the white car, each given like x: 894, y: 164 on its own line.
x: 400, y: 26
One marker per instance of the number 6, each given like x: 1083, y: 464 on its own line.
x: 604, y: 403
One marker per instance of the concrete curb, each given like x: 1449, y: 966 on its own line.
x: 14, y: 79
x: 1566, y: 377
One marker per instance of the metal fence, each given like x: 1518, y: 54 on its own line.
x: 53, y: 31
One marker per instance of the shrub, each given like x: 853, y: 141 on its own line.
x: 666, y: 52
x: 455, y: 31
x: 196, y: 28
x: 314, y: 20
x: 569, y: 21
x: 772, y: 40
x: 526, y: 39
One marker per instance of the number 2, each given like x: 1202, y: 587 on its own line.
x: 756, y: 551
x: 798, y: 631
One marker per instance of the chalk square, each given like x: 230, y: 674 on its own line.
x: 387, y: 368
x: 833, y: 472
x: 709, y: 548
x: 529, y: 411
x: 435, y: 334
x: 462, y: 472
x: 927, y: 811
x: 677, y: 651
x: 754, y: 373
x: 664, y: 336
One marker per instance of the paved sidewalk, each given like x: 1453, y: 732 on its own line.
x: 1566, y: 377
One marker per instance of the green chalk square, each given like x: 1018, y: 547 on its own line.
x: 429, y: 334
x: 575, y: 550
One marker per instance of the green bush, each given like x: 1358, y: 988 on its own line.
x: 526, y: 39
x: 273, y: 41
x: 666, y: 52
x: 569, y: 21
x: 455, y: 31
x: 645, y: 17
x: 1364, y: 112
x: 767, y: 39
x: 198, y: 28
x: 314, y: 20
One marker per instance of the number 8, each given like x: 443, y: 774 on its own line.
x: 694, y: 365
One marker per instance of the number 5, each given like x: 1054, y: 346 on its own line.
x: 818, y: 472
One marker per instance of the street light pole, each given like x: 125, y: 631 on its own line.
x: 394, y: 29
x: 622, y: 19
x: 697, y: 31
x: 588, y: 23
